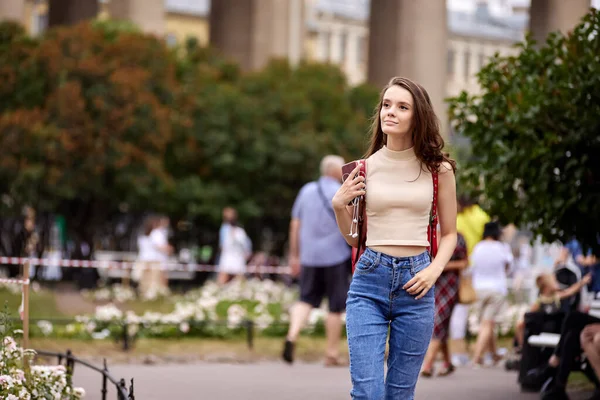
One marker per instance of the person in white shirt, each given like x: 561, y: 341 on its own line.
x: 153, y: 248
x: 236, y: 248
x: 491, y: 261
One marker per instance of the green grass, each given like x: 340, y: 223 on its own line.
x: 308, y: 349
x: 42, y: 304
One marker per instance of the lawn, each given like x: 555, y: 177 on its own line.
x: 308, y: 349
x: 42, y: 304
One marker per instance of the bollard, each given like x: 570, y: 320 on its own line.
x: 131, y: 395
x: 125, y: 337
x: 104, y: 380
x: 122, y: 385
x: 250, y: 334
x: 70, y: 366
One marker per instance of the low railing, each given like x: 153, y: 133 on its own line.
x: 70, y: 361
x: 126, y: 339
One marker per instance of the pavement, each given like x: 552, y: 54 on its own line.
x: 302, y: 381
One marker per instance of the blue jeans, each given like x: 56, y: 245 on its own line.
x: 377, y: 304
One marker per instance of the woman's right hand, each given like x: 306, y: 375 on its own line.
x: 350, y: 189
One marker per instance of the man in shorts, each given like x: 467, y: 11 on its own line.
x: 321, y: 256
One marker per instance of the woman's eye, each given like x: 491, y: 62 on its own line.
x: 404, y: 107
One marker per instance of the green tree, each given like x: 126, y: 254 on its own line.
x: 257, y: 138
x: 87, y: 117
x: 535, y: 131
x: 99, y: 118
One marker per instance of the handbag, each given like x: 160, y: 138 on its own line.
x: 466, y: 292
x: 361, y: 221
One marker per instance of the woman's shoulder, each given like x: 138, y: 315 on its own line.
x: 445, y: 168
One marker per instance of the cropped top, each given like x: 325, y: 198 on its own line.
x: 399, y: 196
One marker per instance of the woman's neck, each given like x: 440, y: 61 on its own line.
x: 399, y: 143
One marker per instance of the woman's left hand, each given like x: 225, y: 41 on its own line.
x: 424, y: 280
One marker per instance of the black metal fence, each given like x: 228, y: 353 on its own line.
x: 123, y: 393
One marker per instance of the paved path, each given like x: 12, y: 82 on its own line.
x: 272, y: 380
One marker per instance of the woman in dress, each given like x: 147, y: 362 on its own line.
x: 235, y: 251
x: 446, y: 297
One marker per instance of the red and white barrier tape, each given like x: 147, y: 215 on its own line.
x: 165, y: 266
x: 15, y: 281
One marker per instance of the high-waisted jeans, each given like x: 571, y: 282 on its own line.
x: 376, y: 305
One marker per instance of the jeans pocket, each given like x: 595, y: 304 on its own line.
x: 420, y: 266
x: 365, y: 265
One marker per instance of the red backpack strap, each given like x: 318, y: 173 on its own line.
x: 433, y: 220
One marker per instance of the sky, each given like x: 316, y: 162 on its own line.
x: 496, y: 6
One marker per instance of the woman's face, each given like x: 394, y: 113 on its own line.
x: 396, y: 111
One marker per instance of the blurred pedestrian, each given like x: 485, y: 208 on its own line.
x: 491, y: 260
x: 235, y: 246
x: 320, y: 255
x: 446, y: 297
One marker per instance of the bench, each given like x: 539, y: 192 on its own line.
x: 547, y: 339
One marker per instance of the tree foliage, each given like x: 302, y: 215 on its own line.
x: 99, y: 118
x: 535, y: 131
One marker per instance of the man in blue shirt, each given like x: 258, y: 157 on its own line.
x: 587, y: 263
x: 321, y: 256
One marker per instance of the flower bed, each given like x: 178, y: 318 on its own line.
x: 210, y: 311
x: 19, y: 380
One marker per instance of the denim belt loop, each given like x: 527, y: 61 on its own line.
x: 412, y: 265
x: 377, y: 258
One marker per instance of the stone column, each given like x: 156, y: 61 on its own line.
x: 547, y: 16
x: 297, y: 17
x: 148, y: 15
x: 13, y: 10
x: 69, y: 12
x: 252, y: 32
x: 409, y: 38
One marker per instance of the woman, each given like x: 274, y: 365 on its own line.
x: 154, y: 249
x: 235, y: 251
x: 446, y: 297
x: 392, y: 285
x: 491, y: 260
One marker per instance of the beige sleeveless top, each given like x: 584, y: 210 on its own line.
x: 399, y: 196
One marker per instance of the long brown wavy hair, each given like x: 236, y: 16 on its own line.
x: 427, y: 139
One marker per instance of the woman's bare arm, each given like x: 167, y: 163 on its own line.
x: 447, y: 216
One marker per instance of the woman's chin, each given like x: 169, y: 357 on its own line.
x: 392, y: 131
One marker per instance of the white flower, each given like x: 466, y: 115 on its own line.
x: 263, y: 321
x: 235, y: 315
x: 108, y: 313
x: 316, y: 315
x: 103, y: 334
x: 46, y: 327
x: 184, y: 327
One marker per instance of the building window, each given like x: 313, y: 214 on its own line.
x: 450, y: 62
x: 467, y: 64
x: 39, y: 22
x: 343, y: 44
x: 326, y: 46
x: 481, y: 60
x: 171, y: 39
x: 361, y: 50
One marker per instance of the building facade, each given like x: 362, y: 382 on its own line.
x: 371, y: 40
